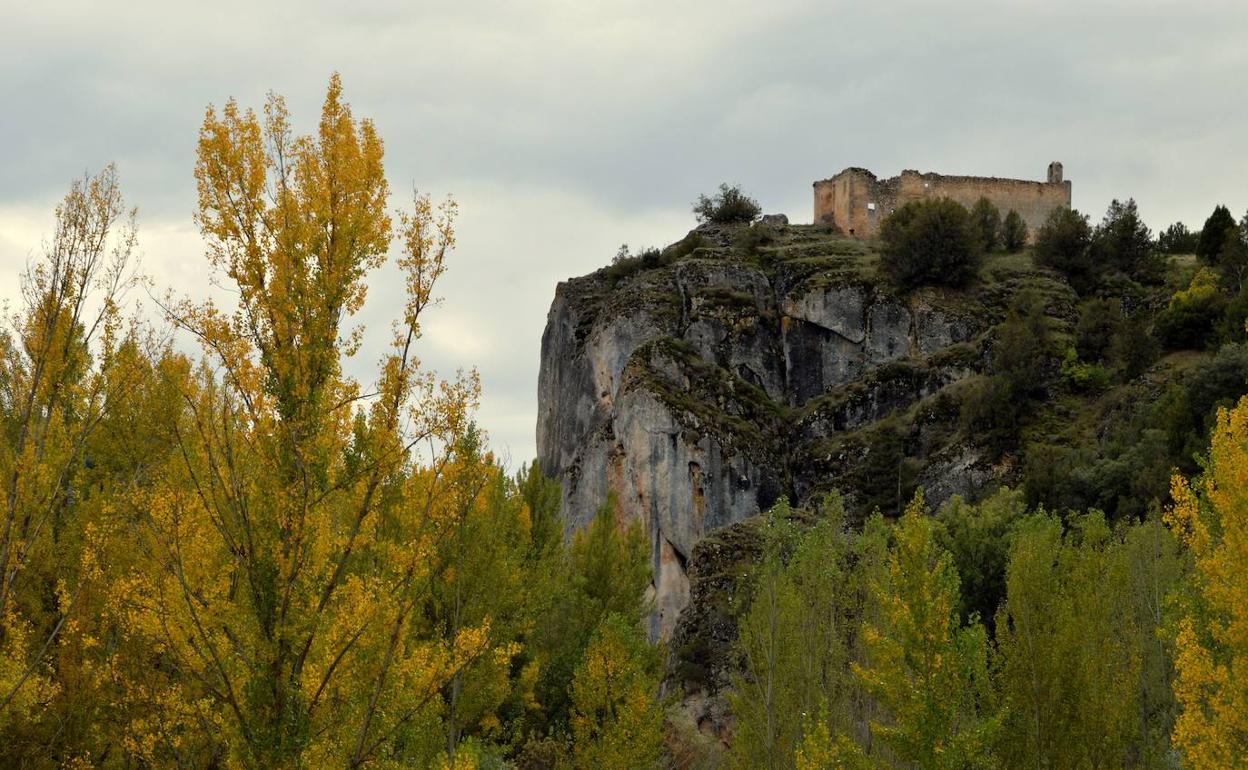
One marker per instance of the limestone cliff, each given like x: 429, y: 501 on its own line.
x: 700, y: 384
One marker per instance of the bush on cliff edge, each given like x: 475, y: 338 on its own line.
x: 930, y: 242
x: 729, y: 206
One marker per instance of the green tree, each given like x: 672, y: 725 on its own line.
x: 766, y: 700
x: 617, y: 718
x: 481, y: 577
x: 1023, y: 348
x: 542, y: 497
x: 605, y: 571
x: 796, y: 637
x: 1213, y: 234
x: 1022, y: 363
x: 1068, y: 641
x: 986, y: 218
x: 1232, y: 258
x: 1232, y: 327
x: 927, y: 670
x: 1062, y: 244
x: 930, y: 242
x: 1099, y: 320
x: 1188, y: 410
x: 1177, y: 239
x: 977, y: 536
x: 1013, y: 232
x: 1189, y: 319
x: 1157, y: 567
x: 884, y: 476
x: 1132, y: 348
x: 1123, y: 242
x: 726, y: 207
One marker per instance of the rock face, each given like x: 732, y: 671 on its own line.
x: 698, y: 389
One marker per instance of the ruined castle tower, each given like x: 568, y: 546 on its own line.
x: 856, y: 201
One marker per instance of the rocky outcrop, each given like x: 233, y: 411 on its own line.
x: 698, y: 389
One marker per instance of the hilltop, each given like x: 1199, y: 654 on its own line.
x: 697, y: 385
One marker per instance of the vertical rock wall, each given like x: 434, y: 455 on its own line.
x: 677, y: 391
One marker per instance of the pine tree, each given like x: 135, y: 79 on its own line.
x: 1213, y: 234
x: 1062, y: 243
x: 930, y: 242
x: 1013, y: 232
x: 1177, y: 239
x: 1232, y: 258
x: 1122, y: 241
x: 987, y: 221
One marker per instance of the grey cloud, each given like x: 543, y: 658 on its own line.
x: 567, y: 128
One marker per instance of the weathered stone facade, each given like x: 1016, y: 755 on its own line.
x: 856, y: 201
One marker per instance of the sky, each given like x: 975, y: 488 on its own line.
x: 565, y: 129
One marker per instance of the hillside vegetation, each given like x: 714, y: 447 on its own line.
x: 994, y: 516
x: 1059, y: 616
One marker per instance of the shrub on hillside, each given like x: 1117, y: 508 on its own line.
x: 1132, y: 349
x: 1062, y: 244
x: 1186, y: 412
x: 930, y: 242
x: 1023, y: 356
x: 625, y: 263
x: 728, y: 206
x: 1189, y: 320
x: 1013, y: 232
x: 1232, y: 259
x: 1083, y: 376
x: 749, y: 240
x: 987, y: 221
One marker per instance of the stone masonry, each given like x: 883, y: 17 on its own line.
x: 856, y: 201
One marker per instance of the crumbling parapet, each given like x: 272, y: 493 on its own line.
x: 856, y: 201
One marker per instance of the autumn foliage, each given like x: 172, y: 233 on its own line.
x: 218, y: 550
x: 246, y: 558
x: 1211, y: 514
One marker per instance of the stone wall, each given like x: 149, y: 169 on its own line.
x: 856, y: 201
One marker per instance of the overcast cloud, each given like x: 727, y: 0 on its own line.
x: 567, y: 128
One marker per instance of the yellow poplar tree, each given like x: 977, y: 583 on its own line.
x: 617, y: 721
x: 480, y: 572
x: 925, y: 669
x: 290, y: 542
x: 61, y: 372
x: 1211, y: 665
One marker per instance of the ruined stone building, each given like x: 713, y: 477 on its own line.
x: 856, y: 201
